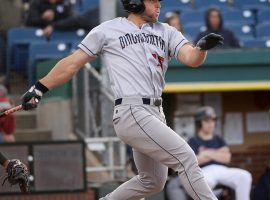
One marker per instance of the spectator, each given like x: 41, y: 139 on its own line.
x: 87, y: 21
x: 173, y: 19
x: 10, y: 16
x: 262, y: 189
x: 7, y: 124
x: 45, y: 12
x: 214, y: 24
x: 214, y: 155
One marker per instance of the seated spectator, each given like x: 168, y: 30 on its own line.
x: 262, y: 189
x: 87, y: 21
x: 173, y: 19
x: 214, y: 155
x: 214, y: 24
x: 45, y: 12
x: 7, y: 124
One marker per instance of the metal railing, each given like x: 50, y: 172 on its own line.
x: 93, y: 109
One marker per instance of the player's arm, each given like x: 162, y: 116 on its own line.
x: 65, y: 69
x: 61, y: 73
x: 194, y: 56
x: 222, y: 155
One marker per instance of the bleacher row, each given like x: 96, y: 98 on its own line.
x: 248, y: 19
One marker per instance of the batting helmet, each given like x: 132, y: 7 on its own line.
x: 134, y: 6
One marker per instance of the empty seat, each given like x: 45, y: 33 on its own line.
x: 203, y: 4
x: 255, y: 43
x: 251, y: 4
x: 68, y: 36
x: 264, y: 15
x: 40, y: 52
x: 193, y: 17
x: 191, y: 31
x: 18, y: 40
x: 241, y: 30
x: 176, y: 3
x: 263, y: 30
x: 245, y: 16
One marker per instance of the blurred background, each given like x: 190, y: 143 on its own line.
x: 69, y: 143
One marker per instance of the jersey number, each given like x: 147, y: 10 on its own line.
x: 160, y: 60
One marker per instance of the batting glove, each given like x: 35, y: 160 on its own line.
x: 32, y: 97
x: 209, y: 41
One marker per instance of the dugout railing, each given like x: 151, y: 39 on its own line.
x: 92, y: 112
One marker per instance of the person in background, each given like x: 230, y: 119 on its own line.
x: 173, y: 19
x: 214, y: 156
x: 8, y: 123
x: 45, y: 12
x: 262, y: 189
x: 214, y: 24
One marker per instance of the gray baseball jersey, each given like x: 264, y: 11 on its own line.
x: 137, y: 59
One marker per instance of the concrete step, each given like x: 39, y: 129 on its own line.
x: 26, y: 120
x: 23, y: 135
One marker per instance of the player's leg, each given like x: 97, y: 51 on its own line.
x: 211, y: 174
x: 238, y: 179
x: 150, y: 180
x: 149, y: 135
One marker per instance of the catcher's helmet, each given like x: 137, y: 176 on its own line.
x: 134, y: 6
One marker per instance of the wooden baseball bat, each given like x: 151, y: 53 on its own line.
x: 10, y: 111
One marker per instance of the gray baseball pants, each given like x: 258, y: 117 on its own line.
x: 155, y: 148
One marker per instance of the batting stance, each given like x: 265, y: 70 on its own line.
x: 137, y: 50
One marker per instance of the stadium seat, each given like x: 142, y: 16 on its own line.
x: 255, y: 43
x: 264, y: 15
x: 245, y: 16
x: 18, y: 40
x: 40, y: 52
x: 205, y: 4
x: 83, y: 5
x: 177, y: 3
x: 68, y: 36
x: 193, y: 17
x: 263, y: 30
x: 241, y: 30
x: 165, y: 10
x: 251, y: 4
x: 191, y: 31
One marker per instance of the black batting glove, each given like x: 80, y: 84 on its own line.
x: 209, y: 41
x: 32, y: 97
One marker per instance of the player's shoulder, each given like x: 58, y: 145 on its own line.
x: 111, y: 23
x: 163, y: 26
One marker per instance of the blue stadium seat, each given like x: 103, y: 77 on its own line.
x: 40, y: 52
x: 263, y: 30
x: 251, y: 4
x: 18, y: 40
x: 87, y: 4
x: 193, y: 17
x: 67, y: 36
x: 241, y: 30
x: 255, y: 43
x: 191, y: 31
x: 245, y: 16
x: 168, y: 9
x: 264, y: 15
x: 177, y: 3
x: 205, y: 4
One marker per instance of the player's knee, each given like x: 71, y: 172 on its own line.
x: 153, y: 184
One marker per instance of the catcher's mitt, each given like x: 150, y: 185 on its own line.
x: 17, y: 173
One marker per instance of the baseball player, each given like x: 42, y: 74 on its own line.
x: 17, y: 173
x: 136, y: 50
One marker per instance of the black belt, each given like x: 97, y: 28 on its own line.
x: 146, y: 101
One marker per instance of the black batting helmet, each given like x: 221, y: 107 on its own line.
x: 134, y: 6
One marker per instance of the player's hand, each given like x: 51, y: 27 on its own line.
x: 209, y: 41
x: 32, y: 97
x: 17, y: 173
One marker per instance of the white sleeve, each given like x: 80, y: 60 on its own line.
x: 176, y: 41
x: 93, y: 43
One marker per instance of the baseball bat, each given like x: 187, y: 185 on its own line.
x: 10, y: 111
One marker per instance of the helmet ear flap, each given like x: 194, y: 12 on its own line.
x: 133, y: 6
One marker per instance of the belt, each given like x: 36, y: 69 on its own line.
x: 145, y: 101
